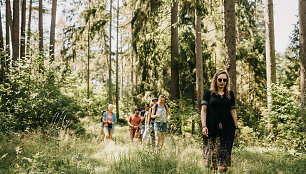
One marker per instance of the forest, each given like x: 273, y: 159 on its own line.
x: 63, y: 62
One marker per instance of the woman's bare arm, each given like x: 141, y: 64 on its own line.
x: 234, y: 115
x: 203, y: 120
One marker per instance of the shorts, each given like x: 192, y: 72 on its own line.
x: 134, y: 133
x: 108, y: 130
x: 161, y: 127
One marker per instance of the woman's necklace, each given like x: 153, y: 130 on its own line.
x: 221, y: 94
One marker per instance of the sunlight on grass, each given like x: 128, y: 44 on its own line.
x: 65, y: 152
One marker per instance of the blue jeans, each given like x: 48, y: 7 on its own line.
x: 142, y: 129
x: 161, y: 127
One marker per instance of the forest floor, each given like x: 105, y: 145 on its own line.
x: 34, y: 152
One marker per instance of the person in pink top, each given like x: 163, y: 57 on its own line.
x: 135, y: 124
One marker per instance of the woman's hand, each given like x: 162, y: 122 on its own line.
x: 236, y: 133
x: 205, y: 131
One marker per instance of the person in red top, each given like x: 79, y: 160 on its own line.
x: 135, y: 124
x: 109, y: 121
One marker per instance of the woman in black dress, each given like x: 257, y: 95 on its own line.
x: 219, y: 123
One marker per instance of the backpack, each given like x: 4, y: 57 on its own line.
x: 102, y: 116
x: 156, y: 106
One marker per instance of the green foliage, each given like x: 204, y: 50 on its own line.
x: 284, y: 124
x: 34, y: 152
x: 183, y: 113
x: 288, y: 65
x: 31, y: 99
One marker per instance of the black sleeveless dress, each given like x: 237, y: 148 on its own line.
x: 221, y: 128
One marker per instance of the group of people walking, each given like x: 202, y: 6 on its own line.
x: 150, y: 123
x: 218, y: 118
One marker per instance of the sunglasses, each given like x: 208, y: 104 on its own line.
x: 224, y: 80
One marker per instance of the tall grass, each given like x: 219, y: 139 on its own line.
x: 65, y: 152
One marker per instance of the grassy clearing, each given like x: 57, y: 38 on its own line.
x: 34, y: 152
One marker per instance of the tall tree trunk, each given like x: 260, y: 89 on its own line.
x: 117, y: 65
x: 230, y: 41
x: 302, y: 22
x: 15, y: 31
x: 110, y: 90
x: 132, y: 68
x: 198, y: 52
x: 2, y: 73
x: 23, y: 25
x: 1, y: 35
x: 40, y: 27
x: 132, y: 55
x: 121, y: 83
x: 29, y: 28
x: 8, y: 29
x: 52, y: 30
x: 88, y: 56
x: 175, y: 93
x: 270, y: 49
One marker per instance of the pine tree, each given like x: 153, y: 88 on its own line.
x: 52, y: 30
x: 23, y: 25
x: 230, y: 41
x: 175, y: 94
x: 198, y: 52
x: 302, y: 28
x: 270, y: 49
x: 15, y: 31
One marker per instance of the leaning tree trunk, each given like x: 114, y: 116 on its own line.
x: 15, y: 31
x: 110, y: 90
x: 198, y: 52
x: 52, y: 30
x: 22, y: 31
x: 230, y: 41
x: 175, y: 94
x: 302, y: 22
x: 270, y: 50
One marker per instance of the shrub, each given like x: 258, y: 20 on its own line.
x: 283, y: 125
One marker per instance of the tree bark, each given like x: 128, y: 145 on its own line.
x: 29, y: 28
x: 52, y: 30
x: 2, y: 73
x: 15, y: 31
x: 1, y: 35
x: 110, y: 93
x: 270, y: 50
x: 117, y: 65
x: 198, y: 52
x: 22, y: 31
x: 8, y: 29
x: 230, y: 41
x: 175, y: 94
x: 302, y: 28
x: 40, y: 26
x: 88, y: 56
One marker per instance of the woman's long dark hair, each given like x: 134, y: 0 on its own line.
x: 214, y: 86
